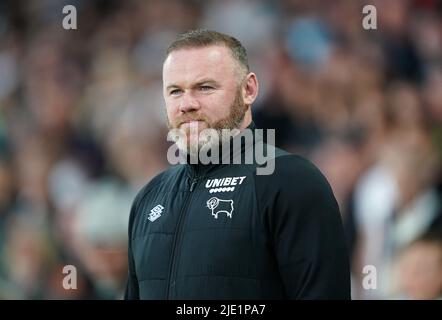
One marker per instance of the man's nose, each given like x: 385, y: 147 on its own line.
x: 189, y: 103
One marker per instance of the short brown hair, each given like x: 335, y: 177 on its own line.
x: 204, y: 38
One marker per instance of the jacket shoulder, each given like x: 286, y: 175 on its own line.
x: 286, y: 163
x: 295, y: 174
x: 295, y: 165
x: 169, y: 175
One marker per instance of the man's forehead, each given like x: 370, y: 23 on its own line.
x: 198, y: 61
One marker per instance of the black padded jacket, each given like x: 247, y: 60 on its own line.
x: 221, y: 231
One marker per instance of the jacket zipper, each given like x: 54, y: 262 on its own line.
x: 181, y: 220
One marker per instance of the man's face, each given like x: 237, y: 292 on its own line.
x: 201, y: 88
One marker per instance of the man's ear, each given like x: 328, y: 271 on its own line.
x: 250, y: 88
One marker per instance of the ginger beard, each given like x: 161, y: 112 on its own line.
x: 195, y: 132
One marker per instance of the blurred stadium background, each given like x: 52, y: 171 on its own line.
x: 82, y: 129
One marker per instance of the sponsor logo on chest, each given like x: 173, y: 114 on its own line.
x: 224, y: 184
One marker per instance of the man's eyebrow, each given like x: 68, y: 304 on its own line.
x: 170, y: 86
x: 199, y: 83
x: 206, y: 81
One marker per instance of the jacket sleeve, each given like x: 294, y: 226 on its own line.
x: 132, y: 291
x: 305, y: 230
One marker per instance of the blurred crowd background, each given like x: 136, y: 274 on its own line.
x: 82, y: 129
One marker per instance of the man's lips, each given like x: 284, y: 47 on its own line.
x: 195, y: 121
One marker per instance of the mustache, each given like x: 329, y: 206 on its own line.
x: 185, y: 119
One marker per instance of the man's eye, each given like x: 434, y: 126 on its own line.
x: 206, y: 88
x: 175, y: 92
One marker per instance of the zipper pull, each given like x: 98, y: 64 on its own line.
x: 192, y: 186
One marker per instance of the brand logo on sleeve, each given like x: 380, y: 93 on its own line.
x: 224, y: 184
x: 155, y: 213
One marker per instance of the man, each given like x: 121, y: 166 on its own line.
x: 224, y: 231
